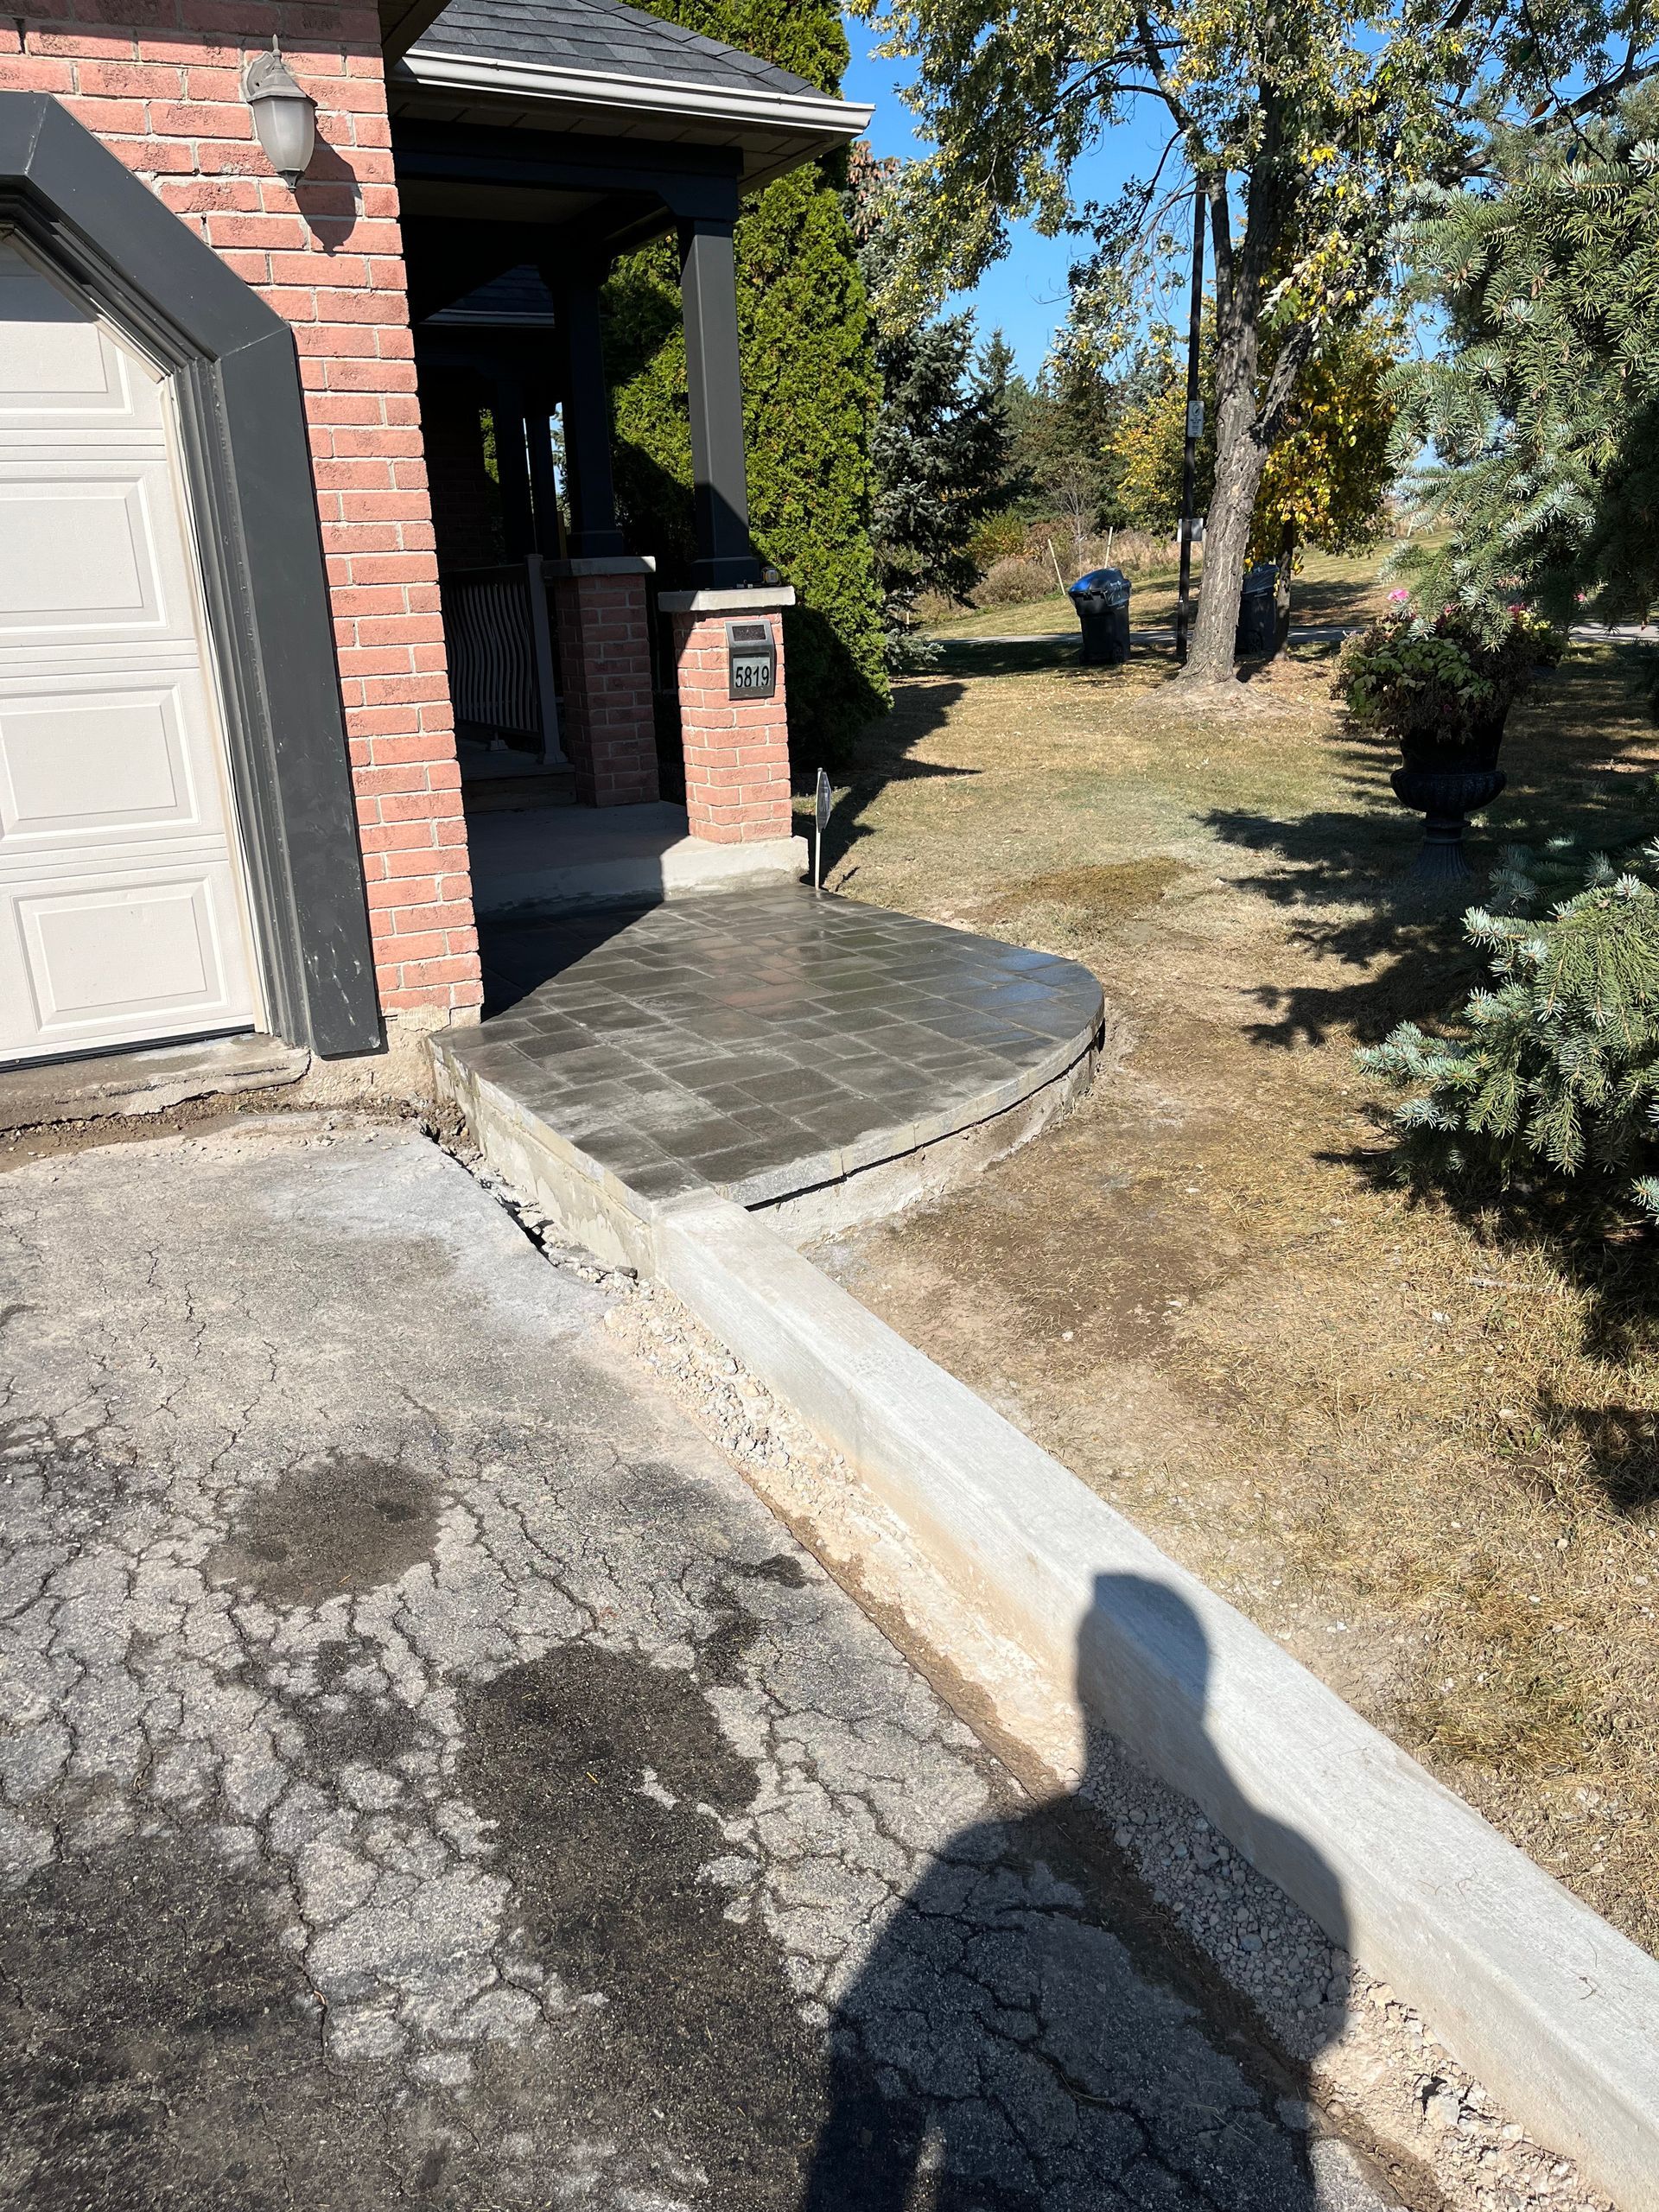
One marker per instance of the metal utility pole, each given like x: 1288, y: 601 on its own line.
x: 1194, y: 420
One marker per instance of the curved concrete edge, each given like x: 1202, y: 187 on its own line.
x: 820, y: 1194
x: 613, y: 1218
x: 1076, y: 1049
x: 876, y: 1180
x: 1044, y: 1612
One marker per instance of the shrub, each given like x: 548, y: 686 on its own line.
x: 999, y: 537
x: 1442, y: 680
x: 1010, y: 581
x: 1028, y: 574
x: 1558, y: 1066
x: 1134, y: 551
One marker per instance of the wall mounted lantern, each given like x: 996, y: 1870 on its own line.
x: 284, y: 115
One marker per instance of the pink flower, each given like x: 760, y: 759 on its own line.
x: 1397, y: 597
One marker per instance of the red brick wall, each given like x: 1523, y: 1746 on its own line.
x: 160, y: 82
x: 605, y: 660
x: 736, y: 750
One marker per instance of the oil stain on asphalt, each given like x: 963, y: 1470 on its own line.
x: 698, y: 2045
x: 159, y: 2051
x: 349, y: 1522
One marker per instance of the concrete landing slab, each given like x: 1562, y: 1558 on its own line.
x: 767, y: 1043
x: 148, y: 1081
x: 537, y: 860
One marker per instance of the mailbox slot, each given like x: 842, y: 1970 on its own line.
x: 750, y: 660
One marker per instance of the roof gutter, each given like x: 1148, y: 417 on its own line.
x: 671, y: 98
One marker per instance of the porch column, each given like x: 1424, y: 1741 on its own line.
x: 600, y: 598
x: 715, y: 384
x: 736, y: 750
x: 507, y: 413
x: 544, y: 491
x: 594, y: 533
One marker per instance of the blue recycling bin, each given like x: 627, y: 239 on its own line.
x: 1101, y: 599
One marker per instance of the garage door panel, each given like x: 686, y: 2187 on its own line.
x: 121, y: 913
x: 92, y: 956
x: 58, y: 362
x: 86, y: 555
x: 99, y: 766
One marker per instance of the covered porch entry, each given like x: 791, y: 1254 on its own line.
x: 801, y: 1054
x: 621, y: 733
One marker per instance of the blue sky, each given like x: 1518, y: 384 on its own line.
x: 1024, y: 294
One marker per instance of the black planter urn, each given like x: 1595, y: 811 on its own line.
x: 1448, y: 783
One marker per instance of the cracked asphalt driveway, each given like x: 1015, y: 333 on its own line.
x: 429, y: 1776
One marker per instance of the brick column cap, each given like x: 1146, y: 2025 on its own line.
x: 753, y: 599
x: 607, y: 564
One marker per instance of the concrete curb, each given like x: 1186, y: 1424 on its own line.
x: 1548, y: 2006
x: 1051, y: 1613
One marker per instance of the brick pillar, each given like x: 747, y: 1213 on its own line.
x: 736, y: 750
x: 610, y: 723
x: 160, y: 83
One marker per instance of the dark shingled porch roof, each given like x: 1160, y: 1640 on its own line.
x: 605, y: 37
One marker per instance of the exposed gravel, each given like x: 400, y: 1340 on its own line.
x: 1377, y: 2069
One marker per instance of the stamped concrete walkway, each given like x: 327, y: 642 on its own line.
x: 766, y: 1041
x: 429, y: 1776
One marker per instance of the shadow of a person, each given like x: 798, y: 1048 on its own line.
x: 1030, y: 2029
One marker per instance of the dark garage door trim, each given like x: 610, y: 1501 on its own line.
x: 236, y: 373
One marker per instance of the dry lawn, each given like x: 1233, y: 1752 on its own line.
x: 1330, y: 588
x: 1415, y: 1442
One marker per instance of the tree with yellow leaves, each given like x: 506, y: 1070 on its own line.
x: 1328, y: 479
x: 1149, y: 446
x: 1306, y: 130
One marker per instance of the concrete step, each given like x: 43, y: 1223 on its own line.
x: 537, y: 861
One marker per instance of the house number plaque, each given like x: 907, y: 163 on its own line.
x: 751, y: 661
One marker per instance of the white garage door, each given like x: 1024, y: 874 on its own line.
x: 122, y: 914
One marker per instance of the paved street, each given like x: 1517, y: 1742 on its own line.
x: 431, y: 1778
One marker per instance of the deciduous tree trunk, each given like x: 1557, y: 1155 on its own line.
x: 1246, y: 424
x: 1281, y: 588
x: 1239, y: 463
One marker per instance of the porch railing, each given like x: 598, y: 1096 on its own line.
x: 498, y: 632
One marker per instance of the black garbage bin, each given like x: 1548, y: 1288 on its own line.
x: 1257, y: 637
x: 1101, y: 599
